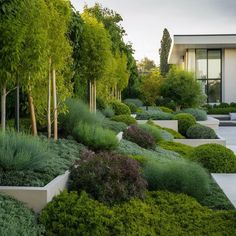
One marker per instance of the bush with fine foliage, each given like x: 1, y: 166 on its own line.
x: 17, y: 219
x: 199, y: 131
x: 181, y: 176
x: 216, y: 158
x: 184, y: 150
x: 108, y: 177
x: 140, y: 137
x: 156, y: 133
x: 22, y: 152
x: 137, y: 102
x: 154, y: 115
x: 108, y: 112
x: 161, y: 213
x: 184, y: 122
x: 115, y: 126
x: 127, y: 119
x: 120, y: 108
x: 77, y: 112
x: 166, y: 109
x: 95, y: 137
x: 200, y: 115
x: 133, y: 108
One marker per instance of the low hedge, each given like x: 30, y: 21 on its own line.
x: 184, y: 122
x: 216, y: 158
x: 223, y: 111
x: 16, y: 219
x: 162, y: 213
x: 95, y: 137
x: 108, y: 177
x: 199, y: 131
x: 127, y: 119
x: 120, y: 108
x: 154, y: 115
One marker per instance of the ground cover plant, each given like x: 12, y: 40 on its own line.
x: 161, y: 213
x: 108, y: 177
x: 115, y: 126
x: 216, y: 158
x: 156, y: 114
x: 17, y: 219
x: 199, y: 114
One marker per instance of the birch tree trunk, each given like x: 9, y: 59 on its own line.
x: 3, y: 106
x: 32, y: 114
x: 55, y: 115
x: 49, y: 100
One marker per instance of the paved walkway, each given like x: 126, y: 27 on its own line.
x: 227, y: 182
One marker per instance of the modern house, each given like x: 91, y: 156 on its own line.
x: 212, y: 58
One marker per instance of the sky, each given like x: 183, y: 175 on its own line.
x: 144, y: 20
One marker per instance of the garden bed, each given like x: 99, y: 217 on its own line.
x: 211, y: 122
x: 198, y: 142
x: 37, y: 197
x: 171, y: 124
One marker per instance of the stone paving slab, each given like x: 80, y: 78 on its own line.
x: 229, y: 133
x: 227, y: 183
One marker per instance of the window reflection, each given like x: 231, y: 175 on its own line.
x: 214, y: 90
x: 201, y: 63
x: 214, y: 64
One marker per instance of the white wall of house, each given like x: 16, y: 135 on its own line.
x: 229, y: 75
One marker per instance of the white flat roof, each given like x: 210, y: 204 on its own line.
x: 182, y: 42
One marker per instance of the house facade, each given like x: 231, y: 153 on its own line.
x: 212, y: 59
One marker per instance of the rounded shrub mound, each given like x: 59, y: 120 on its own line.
x: 216, y: 158
x: 166, y: 109
x: 108, y: 177
x: 120, y: 108
x: 180, y: 176
x: 133, y: 108
x: 127, y: 119
x: 114, y: 125
x: 199, y: 131
x: 200, y: 115
x: 95, y: 137
x: 184, y: 122
x: 140, y: 137
x: 16, y: 219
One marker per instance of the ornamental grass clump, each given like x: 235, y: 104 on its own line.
x: 216, y: 158
x: 140, y: 137
x: 22, y: 152
x: 95, y: 137
x: 108, y: 177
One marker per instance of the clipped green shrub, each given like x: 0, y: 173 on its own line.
x: 154, y: 115
x: 166, y: 109
x: 180, y: 176
x: 133, y: 108
x: 22, y: 152
x: 184, y: 150
x: 136, y: 101
x: 199, y: 131
x: 114, y: 125
x: 70, y: 214
x: 161, y: 213
x: 108, y: 177
x: 95, y: 137
x: 140, y: 137
x: 78, y: 112
x: 200, y: 115
x: 108, y: 112
x: 127, y: 119
x: 174, y: 133
x: 216, y: 158
x: 221, y: 111
x: 120, y: 108
x: 184, y: 122
x: 16, y: 219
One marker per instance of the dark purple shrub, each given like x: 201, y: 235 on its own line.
x: 140, y: 137
x: 108, y: 177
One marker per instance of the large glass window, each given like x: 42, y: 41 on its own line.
x: 208, y: 71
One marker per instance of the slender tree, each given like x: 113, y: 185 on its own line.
x: 164, y: 52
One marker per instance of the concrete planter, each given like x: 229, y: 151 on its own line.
x: 37, y: 197
x: 198, y: 142
x: 211, y: 122
x: 171, y: 124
